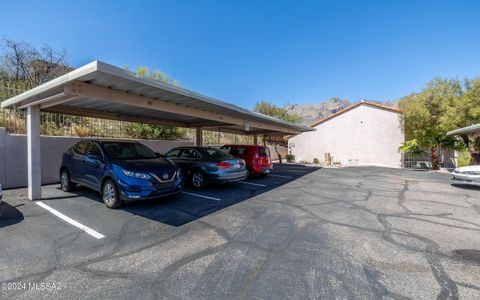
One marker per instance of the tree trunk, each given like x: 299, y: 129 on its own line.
x: 471, y: 148
x: 433, y: 151
x: 278, y: 154
x: 466, y: 141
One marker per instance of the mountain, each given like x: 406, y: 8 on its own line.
x: 312, y: 112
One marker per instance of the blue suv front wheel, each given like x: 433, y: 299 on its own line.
x: 110, y: 195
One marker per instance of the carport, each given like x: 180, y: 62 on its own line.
x: 473, y: 129
x: 104, y: 91
x: 464, y: 132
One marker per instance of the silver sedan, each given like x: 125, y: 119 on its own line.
x: 466, y: 175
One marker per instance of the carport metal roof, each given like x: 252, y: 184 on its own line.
x: 105, y: 91
x: 465, y: 130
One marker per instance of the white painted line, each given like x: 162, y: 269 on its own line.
x: 257, y: 184
x: 281, y: 176
x: 82, y: 227
x: 202, y: 196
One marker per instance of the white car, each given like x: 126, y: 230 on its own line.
x: 467, y: 175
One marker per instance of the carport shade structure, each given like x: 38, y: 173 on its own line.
x: 465, y: 130
x: 104, y: 91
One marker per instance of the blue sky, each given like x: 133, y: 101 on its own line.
x: 282, y: 51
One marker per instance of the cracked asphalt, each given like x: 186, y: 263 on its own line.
x: 350, y: 233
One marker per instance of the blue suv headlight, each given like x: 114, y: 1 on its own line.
x: 137, y: 175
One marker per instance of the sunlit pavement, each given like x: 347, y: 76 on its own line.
x: 306, y: 233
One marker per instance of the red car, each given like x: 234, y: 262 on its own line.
x: 257, y: 158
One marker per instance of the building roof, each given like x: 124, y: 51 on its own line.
x: 353, y: 106
x: 465, y: 130
x: 105, y: 91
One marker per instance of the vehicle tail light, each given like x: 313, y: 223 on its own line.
x: 224, y: 165
x: 264, y: 160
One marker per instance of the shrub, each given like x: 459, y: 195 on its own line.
x: 463, y: 159
x: 14, y: 123
x: 83, y: 131
x: 411, y: 147
x: 316, y: 161
x: 290, y: 157
x: 154, y: 132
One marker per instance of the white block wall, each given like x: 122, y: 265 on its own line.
x: 367, y: 134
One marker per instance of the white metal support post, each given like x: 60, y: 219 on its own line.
x: 199, y: 137
x: 33, y: 144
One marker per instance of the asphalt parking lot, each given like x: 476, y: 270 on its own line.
x: 305, y: 233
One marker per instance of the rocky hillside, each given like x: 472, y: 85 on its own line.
x: 312, y: 112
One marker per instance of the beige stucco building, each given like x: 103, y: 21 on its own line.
x: 364, y: 133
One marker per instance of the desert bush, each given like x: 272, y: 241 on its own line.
x: 463, y: 159
x: 155, y: 132
x: 290, y: 157
x: 13, y: 121
x: 412, y: 147
x: 84, y: 131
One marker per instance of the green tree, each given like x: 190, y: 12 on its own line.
x: 156, y: 75
x: 425, y: 115
x: 465, y: 112
x: 270, y: 109
x: 411, y: 147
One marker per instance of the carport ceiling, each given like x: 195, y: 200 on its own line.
x: 105, y: 91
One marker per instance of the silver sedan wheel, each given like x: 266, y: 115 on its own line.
x: 108, y: 194
x: 197, y: 179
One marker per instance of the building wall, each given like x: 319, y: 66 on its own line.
x: 367, y: 134
x: 13, y: 156
x: 283, y: 151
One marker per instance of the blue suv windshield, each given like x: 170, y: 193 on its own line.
x: 128, y: 150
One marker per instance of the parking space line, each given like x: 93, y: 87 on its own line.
x: 283, y: 176
x: 80, y: 226
x: 202, y: 196
x: 257, y: 184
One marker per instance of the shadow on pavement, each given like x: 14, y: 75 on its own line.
x: 184, y: 208
x: 466, y: 186
x: 9, y: 215
x: 176, y: 211
x: 80, y: 193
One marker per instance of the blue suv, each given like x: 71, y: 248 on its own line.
x: 120, y: 171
